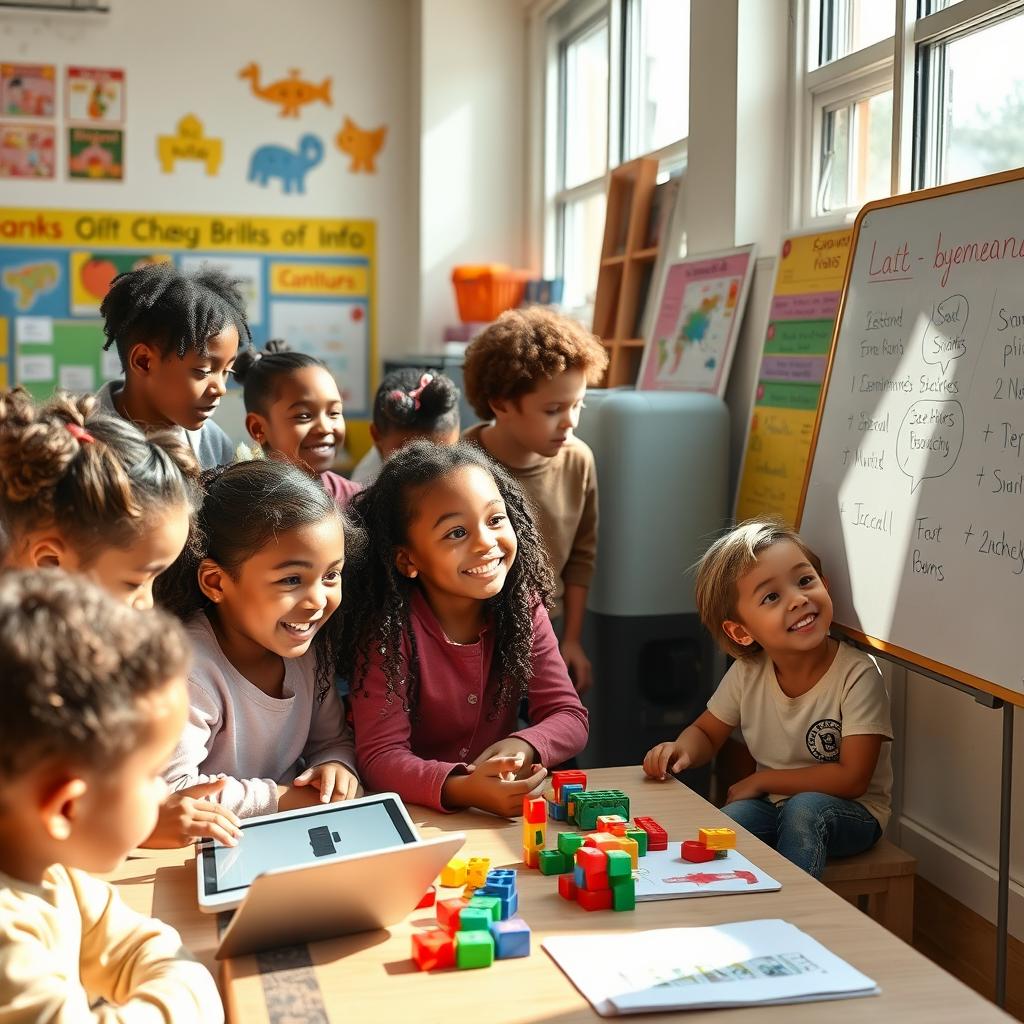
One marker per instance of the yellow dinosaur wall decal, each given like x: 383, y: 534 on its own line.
x: 292, y: 93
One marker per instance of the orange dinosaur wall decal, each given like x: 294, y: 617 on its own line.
x: 292, y: 93
x: 361, y: 145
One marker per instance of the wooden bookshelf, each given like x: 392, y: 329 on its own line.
x: 627, y: 265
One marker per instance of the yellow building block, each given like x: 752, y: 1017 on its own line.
x: 454, y: 872
x: 476, y: 871
x: 717, y: 838
x: 632, y: 847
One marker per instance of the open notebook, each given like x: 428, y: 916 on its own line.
x: 752, y: 963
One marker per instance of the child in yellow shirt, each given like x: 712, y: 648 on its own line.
x: 94, y: 702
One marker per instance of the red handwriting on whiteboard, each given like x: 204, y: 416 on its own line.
x: 893, y: 266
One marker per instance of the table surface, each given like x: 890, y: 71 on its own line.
x: 346, y: 979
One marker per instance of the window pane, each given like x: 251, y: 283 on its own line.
x: 931, y: 6
x: 582, y: 234
x: 585, y: 124
x: 846, y: 26
x: 982, y: 115
x: 856, y: 147
x: 659, y: 87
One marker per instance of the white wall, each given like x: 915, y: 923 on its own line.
x: 472, y: 147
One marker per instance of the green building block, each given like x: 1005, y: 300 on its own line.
x: 592, y: 803
x: 553, y: 862
x: 474, y: 919
x: 473, y: 949
x: 620, y: 865
x: 570, y: 842
x: 641, y: 840
x: 623, y: 892
x: 489, y: 903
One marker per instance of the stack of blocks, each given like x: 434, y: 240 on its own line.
x: 478, y: 930
x: 710, y: 844
x: 534, y: 831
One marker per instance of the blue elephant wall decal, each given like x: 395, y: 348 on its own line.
x: 290, y: 165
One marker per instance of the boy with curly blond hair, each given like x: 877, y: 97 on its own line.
x: 527, y: 375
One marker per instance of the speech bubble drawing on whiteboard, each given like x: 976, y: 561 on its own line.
x: 943, y: 339
x: 929, y: 440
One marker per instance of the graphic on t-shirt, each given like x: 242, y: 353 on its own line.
x: 824, y: 738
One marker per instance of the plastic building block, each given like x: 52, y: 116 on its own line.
x: 474, y: 919
x: 448, y: 912
x: 511, y: 939
x: 639, y: 836
x: 474, y: 949
x: 717, y: 838
x: 624, y: 894
x: 454, y: 873
x: 433, y: 949
x: 476, y: 871
x: 567, y: 776
x: 657, y: 837
x: 610, y: 823
x: 601, y: 841
x: 429, y: 898
x: 569, y: 843
x: 579, y: 879
x: 696, y: 852
x: 568, y: 793
x: 593, y: 802
x: 599, y: 900
x: 553, y: 862
x: 567, y: 887
x: 501, y: 878
x: 534, y: 810
x: 619, y: 865
x: 490, y: 904
x: 631, y: 847
x: 595, y: 868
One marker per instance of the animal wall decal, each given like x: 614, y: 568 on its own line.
x: 291, y: 93
x: 361, y: 145
x: 289, y: 165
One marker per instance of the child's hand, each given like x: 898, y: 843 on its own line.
x: 749, y: 788
x: 511, y: 746
x: 486, y: 786
x: 333, y: 779
x: 186, y: 816
x: 658, y: 759
x: 576, y: 661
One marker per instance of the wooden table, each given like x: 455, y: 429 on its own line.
x: 370, y: 977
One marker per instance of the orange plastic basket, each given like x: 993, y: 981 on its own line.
x: 484, y: 291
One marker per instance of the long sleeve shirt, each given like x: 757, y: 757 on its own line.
x: 72, y: 951
x: 257, y: 742
x: 451, y: 724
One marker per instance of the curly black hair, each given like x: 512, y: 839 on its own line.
x: 246, y: 504
x: 377, y: 595
x: 171, y: 309
x: 416, y: 399
x: 257, y: 371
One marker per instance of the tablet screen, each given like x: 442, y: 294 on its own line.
x: 302, y: 839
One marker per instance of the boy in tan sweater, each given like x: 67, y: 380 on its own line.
x: 527, y: 374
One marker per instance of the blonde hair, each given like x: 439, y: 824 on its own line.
x: 725, y: 562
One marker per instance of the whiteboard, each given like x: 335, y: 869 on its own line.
x: 914, y: 495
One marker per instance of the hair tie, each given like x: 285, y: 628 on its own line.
x: 80, y: 434
x: 415, y: 393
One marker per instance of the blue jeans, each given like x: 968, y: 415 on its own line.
x: 808, y: 827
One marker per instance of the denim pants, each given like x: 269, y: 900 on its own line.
x: 808, y: 827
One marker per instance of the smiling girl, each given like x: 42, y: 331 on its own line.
x: 257, y: 592
x: 448, y: 630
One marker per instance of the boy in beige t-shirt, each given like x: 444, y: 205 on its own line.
x: 813, y: 711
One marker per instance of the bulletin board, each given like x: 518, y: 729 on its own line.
x: 308, y: 280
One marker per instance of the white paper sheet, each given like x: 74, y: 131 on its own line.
x: 664, y: 875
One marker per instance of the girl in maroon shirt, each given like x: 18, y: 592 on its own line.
x: 446, y: 629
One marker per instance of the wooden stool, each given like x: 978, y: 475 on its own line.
x: 883, y: 879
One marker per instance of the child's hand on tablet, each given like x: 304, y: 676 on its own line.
x: 187, y: 815
x: 333, y: 779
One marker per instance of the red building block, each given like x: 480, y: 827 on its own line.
x: 433, y: 949
x: 448, y: 913
x: 600, y: 900
x: 696, y: 852
x: 535, y: 810
x: 657, y: 837
x: 564, y: 777
x: 594, y: 863
x: 567, y: 887
x: 429, y: 898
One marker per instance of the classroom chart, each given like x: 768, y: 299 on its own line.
x: 308, y: 280
x: 915, y: 493
x: 809, y: 276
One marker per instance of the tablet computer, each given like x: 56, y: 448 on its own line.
x: 290, y: 839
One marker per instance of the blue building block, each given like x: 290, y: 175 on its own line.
x: 579, y: 877
x: 557, y: 812
x: 511, y: 938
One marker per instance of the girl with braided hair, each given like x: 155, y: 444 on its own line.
x: 177, y: 335
x: 445, y: 630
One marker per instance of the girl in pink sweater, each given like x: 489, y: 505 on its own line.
x: 445, y: 631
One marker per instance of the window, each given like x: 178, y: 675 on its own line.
x: 903, y: 95
x: 617, y: 88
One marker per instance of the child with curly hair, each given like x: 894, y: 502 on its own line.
x: 445, y: 632
x: 527, y: 375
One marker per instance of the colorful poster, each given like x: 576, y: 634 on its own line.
x: 27, y: 151
x: 28, y: 90
x: 92, y: 272
x: 95, y: 95
x: 698, y: 319
x: 96, y: 153
x: 808, y: 285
